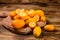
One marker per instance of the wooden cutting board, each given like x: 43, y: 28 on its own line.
x: 52, y: 14
x: 6, y: 23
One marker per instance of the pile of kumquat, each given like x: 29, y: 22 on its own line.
x: 30, y: 20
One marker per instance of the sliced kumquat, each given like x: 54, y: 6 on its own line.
x: 23, y: 14
x: 31, y: 13
x: 17, y: 11
x: 32, y: 24
x: 36, y: 17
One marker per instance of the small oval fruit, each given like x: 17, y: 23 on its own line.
x: 31, y: 13
x: 22, y: 10
x: 12, y: 14
x: 26, y: 11
x: 39, y: 12
x: 16, y: 17
x: 31, y: 20
x: 17, y: 11
x: 43, y: 18
x: 37, y: 31
x: 23, y: 14
x: 25, y: 18
x: 49, y: 27
x: 32, y: 24
x: 36, y: 17
x: 18, y: 24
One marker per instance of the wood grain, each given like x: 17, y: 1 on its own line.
x: 52, y: 14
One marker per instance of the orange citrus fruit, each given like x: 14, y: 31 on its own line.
x: 16, y: 17
x: 26, y: 11
x: 31, y: 20
x: 36, y: 17
x: 23, y: 14
x: 25, y: 18
x: 31, y: 13
x: 49, y: 27
x: 32, y: 24
x: 17, y: 11
x: 43, y: 18
x: 39, y: 12
x: 37, y: 31
x: 12, y: 14
x: 18, y: 24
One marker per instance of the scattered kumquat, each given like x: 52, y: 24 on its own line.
x: 49, y: 27
x: 37, y: 31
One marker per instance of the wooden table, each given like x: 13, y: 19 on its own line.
x: 52, y: 14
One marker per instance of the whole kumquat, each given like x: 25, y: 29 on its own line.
x: 16, y: 17
x: 37, y: 31
x: 18, y: 23
x: 43, y: 18
x: 12, y: 14
x: 39, y: 12
x: 49, y: 27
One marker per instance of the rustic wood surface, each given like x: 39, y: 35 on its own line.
x: 52, y: 14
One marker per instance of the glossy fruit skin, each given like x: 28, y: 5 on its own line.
x: 39, y: 12
x: 49, y: 27
x: 18, y: 23
x: 43, y: 18
x: 25, y: 18
x: 37, y: 31
x: 12, y: 14
x: 16, y: 17
x: 32, y: 20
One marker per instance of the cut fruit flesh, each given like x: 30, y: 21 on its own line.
x: 36, y: 17
x: 32, y: 24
